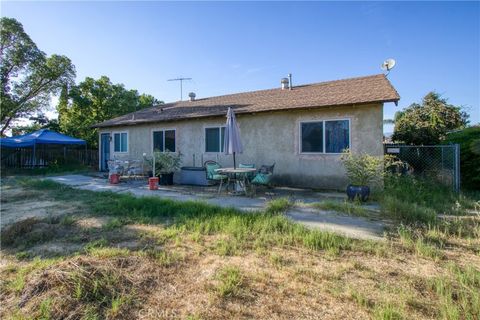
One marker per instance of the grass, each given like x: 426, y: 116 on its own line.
x: 249, y: 263
x: 271, y: 227
x: 411, y: 200
x: 459, y: 293
x: 345, y: 207
x: 230, y: 282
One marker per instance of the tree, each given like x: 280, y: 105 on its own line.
x: 28, y: 76
x: 429, y: 122
x: 93, y: 101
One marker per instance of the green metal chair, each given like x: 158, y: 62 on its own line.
x: 249, y: 175
x: 263, y: 177
x: 212, y: 175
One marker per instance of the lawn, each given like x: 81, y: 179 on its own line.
x: 90, y: 255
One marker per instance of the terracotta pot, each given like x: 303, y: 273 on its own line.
x: 114, y: 178
x: 153, y: 183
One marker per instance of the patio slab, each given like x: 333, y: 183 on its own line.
x: 355, y: 227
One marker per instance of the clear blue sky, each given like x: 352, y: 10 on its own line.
x: 234, y: 47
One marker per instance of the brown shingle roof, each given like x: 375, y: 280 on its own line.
x: 360, y: 90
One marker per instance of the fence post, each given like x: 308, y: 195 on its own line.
x: 457, y: 167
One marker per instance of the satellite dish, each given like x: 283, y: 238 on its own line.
x: 388, y: 65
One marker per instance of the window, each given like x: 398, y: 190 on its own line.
x: 332, y: 136
x: 312, y: 137
x: 164, y: 140
x: 336, y: 136
x: 120, y: 142
x: 214, y: 139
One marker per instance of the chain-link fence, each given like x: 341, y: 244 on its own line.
x: 439, y: 162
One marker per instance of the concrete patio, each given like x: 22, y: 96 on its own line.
x: 356, y: 227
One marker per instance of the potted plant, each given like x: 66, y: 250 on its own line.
x: 148, y: 163
x: 166, y: 163
x: 362, y: 171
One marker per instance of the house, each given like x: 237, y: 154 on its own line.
x: 302, y: 129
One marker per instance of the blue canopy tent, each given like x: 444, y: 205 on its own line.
x: 40, y: 137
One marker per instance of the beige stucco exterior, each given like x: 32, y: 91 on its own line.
x: 268, y: 138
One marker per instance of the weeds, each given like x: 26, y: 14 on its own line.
x: 113, y: 223
x: 204, y: 219
x: 162, y: 258
x: 278, y: 206
x: 226, y: 247
x: 230, y: 282
x: 414, y: 240
x: 345, y: 207
x: 459, y: 294
x: 67, y: 220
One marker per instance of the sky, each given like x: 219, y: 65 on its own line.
x: 228, y: 47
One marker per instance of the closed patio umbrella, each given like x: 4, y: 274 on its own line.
x: 232, y: 142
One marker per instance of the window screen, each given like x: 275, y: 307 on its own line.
x: 212, y: 140
x: 336, y: 136
x: 120, y: 142
x: 164, y: 141
x: 312, y: 137
x: 170, y: 140
x: 158, y: 141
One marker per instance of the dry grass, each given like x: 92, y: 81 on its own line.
x: 123, y: 269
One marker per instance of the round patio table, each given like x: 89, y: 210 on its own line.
x: 237, y: 175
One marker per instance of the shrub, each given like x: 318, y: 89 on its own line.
x: 362, y: 169
x: 469, y: 140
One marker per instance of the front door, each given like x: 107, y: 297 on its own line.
x: 104, y: 151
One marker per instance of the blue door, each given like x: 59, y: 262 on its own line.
x: 105, y: 151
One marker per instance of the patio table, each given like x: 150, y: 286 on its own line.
x: 237, y: 175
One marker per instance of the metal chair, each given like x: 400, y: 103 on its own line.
x: 211, y: 167
x: 263, y: 177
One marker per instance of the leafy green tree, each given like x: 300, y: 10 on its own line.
x: 28, y: 76
x: 40, y: 121
x: 429, y: 122
x: 93, y: 101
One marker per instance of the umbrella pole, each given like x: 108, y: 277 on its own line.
x: 234, y: 164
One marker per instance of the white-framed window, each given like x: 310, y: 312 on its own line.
x: 214, y: 139
x: 324, y: 136
x: 120, y: 142
x: 164, y: 140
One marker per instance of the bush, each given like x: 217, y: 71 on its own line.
x: 469, y: 140
x: 362, y: 169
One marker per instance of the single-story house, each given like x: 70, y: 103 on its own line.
x: 302, y: 129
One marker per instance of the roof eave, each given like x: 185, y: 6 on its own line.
x: 138, y: 122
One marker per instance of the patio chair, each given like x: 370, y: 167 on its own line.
x: 249, y: 175
x: 212, y: 175
x: 263, y: 177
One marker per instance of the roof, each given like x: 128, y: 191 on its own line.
x: 42, y: 136
x: 359, y: 90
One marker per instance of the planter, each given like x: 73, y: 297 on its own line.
x: 153, y: 183
x: 166, y: 179
x: 114, y: 178
x: 362, y: 192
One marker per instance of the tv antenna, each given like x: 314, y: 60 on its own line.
x: 388, y: 65
x: 181, y: 79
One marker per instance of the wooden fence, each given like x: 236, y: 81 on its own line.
x: 45, y: 155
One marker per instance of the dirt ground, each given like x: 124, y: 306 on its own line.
x: 59, y: 239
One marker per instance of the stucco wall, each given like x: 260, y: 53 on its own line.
x: 268, y: 138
